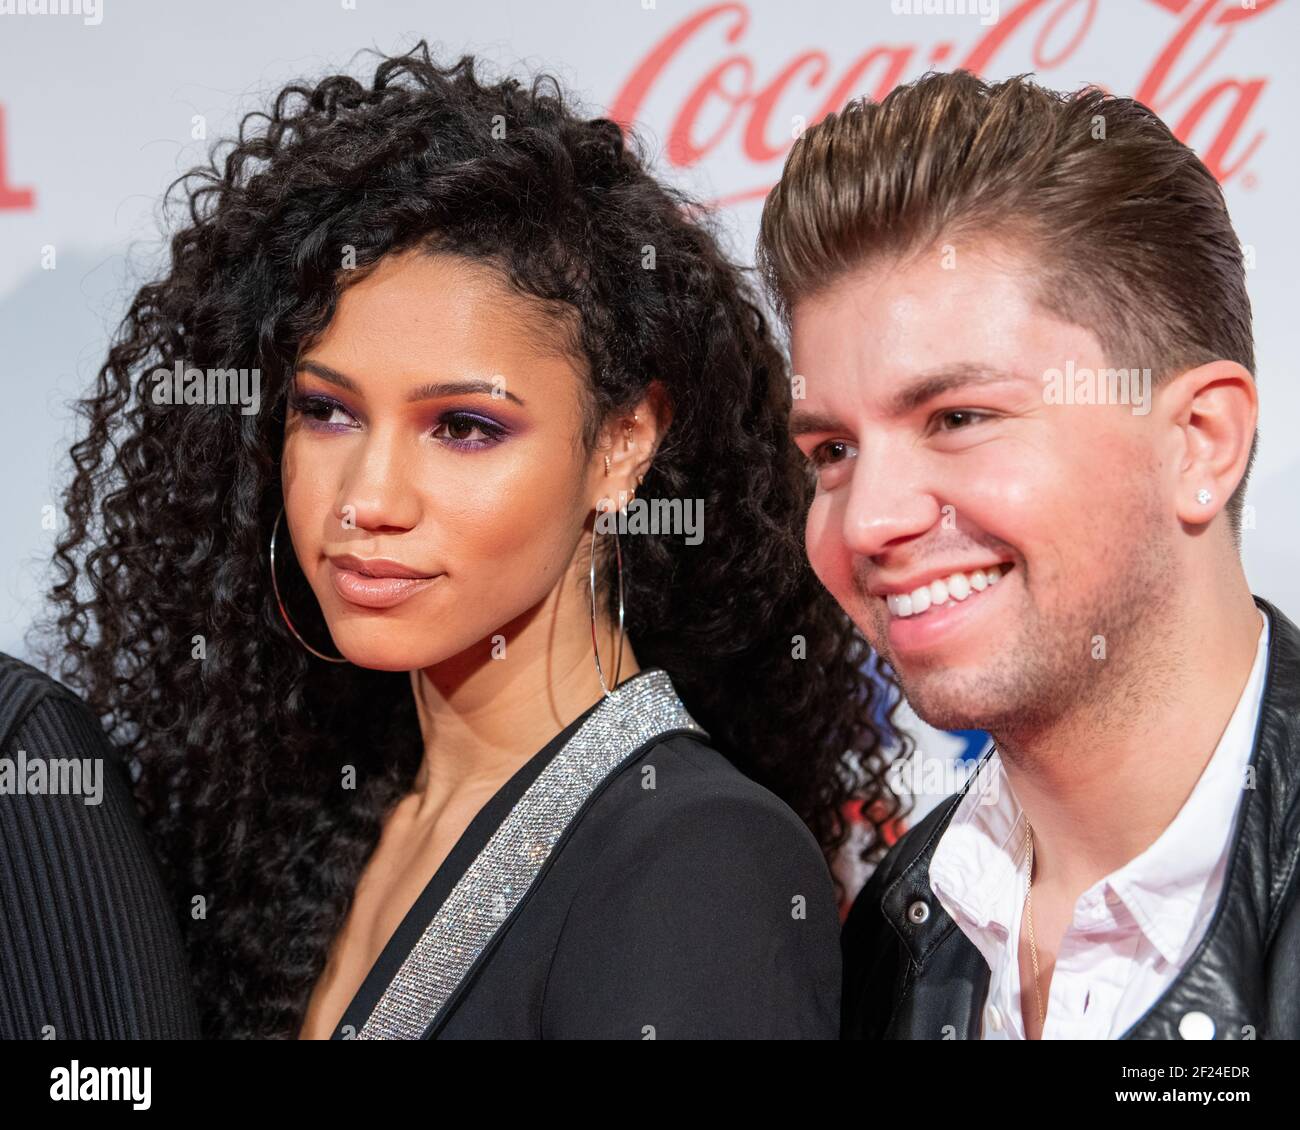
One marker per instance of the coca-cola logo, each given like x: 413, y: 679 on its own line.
x: 763, y: 108
x: 10, y: 197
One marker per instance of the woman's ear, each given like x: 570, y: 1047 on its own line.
x: 628, y: 442
x: 650, y: 421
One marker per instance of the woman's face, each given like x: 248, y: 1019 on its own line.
x: 435, y: 430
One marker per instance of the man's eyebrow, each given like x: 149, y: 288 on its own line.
x: 430, y: 391
x: 803, y: 422
x: 935, y: 383
x: 911, y: 397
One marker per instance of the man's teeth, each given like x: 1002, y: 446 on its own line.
x: 938, y: 593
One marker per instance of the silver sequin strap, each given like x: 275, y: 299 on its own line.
x: 501, y: 875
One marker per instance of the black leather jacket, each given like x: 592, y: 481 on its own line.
x: 911, y: 974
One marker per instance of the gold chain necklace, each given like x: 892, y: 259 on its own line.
x: 1029, y: 915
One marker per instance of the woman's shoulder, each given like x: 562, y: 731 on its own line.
x: 25, y: 691
x: 681, y: 801
x: 705, y: 910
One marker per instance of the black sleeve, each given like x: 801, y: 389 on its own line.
x: 88, y: 946
x: 869, y: 961
x: 712, y: 919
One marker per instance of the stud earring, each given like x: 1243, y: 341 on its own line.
x: 1203, y: 496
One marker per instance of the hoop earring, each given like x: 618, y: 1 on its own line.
x: 618, y: 556
x: 284, y: 615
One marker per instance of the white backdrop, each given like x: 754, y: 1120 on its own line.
x: 99, y: 111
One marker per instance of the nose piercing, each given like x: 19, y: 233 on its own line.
x: 1203, y: 496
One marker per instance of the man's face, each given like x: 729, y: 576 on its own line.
x: 998, y: 550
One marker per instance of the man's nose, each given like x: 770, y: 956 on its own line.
x: 889, y: 503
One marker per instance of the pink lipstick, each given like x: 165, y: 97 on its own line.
x: 376, y: 582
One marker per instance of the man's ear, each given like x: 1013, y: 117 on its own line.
x: 1215, y: 408
x: 628, y: 442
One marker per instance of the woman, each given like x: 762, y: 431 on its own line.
x: 409, y: 772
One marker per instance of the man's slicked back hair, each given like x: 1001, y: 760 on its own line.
x: 1127, y: 229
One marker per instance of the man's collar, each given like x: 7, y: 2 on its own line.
x: 908, y: 902
x: 1162, y: 886
x: 1269, y: 810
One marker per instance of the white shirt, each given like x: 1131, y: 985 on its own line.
x: 1133, y: 930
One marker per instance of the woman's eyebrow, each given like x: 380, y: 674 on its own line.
x: 460, y: 388
x: 327, y: 374
x: 430, y: 391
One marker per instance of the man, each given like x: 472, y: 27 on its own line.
x: 1024, y: 382
x: 89, y: 949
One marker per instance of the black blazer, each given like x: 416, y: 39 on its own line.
x: 911, y: 974
x: 682, y: 901
x: 88, y: 945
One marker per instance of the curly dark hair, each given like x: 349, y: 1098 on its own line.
x: 236, y: 755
